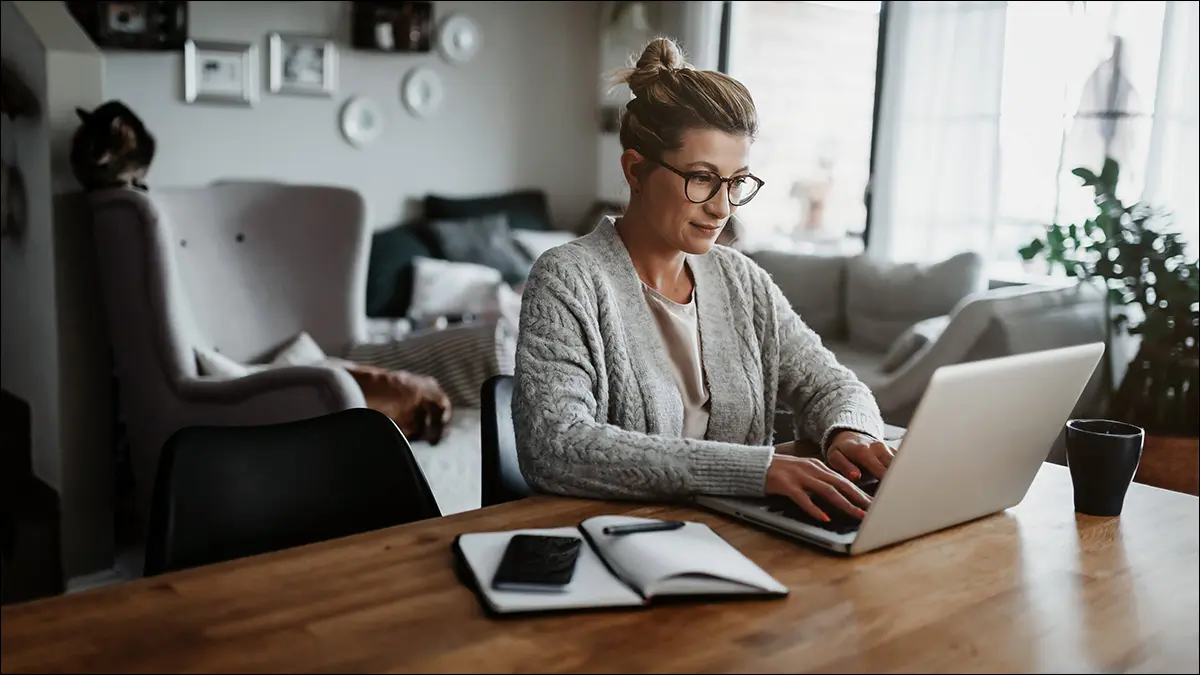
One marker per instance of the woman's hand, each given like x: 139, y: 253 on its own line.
x: 799, y: 478
x: 851, y: 450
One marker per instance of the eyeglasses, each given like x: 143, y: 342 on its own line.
x: 701, y: 186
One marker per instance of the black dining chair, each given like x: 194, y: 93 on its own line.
x: 226, y: 492
x: 502, y: 480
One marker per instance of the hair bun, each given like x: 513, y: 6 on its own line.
x: 661, y: 55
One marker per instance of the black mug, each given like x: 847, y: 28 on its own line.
x: 1103, y: 456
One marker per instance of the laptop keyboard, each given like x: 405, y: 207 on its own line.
x: 840, y: 522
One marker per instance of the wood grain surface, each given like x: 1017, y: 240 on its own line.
x: 1035, y: 589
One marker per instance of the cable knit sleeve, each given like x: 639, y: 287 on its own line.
x: 562, y: 398
x: 825, y: 397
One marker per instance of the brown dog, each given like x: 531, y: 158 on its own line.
x: 416, y: 403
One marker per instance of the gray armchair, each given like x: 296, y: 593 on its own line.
x: 239, y: 268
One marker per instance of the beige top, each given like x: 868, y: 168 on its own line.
x: 680, y: 332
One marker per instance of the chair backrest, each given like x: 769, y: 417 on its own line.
x: 239, y: 267
x: 502, y: 480
x: 230, y: 492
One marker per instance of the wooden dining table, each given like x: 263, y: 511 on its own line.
x: 1036, y: 588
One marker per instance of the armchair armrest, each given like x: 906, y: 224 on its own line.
x: 997, y: 323
x: 295, y: 391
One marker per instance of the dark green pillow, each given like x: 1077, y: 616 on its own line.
x: 389, y: 272
x: 525, y: 209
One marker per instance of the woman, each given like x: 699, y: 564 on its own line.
x: 649, y: 361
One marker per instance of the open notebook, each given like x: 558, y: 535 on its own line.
x: 620, y: 571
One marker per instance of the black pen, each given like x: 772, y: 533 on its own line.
x: 661, y: 526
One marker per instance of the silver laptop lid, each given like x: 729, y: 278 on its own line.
x: 979, y: 435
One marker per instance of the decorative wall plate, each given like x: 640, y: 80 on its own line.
x: 362, y: 121
x: 422, y: 91
x: 459, y: 38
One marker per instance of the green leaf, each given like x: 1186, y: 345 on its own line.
x: 1086, y: 175
x: 1032, y: 249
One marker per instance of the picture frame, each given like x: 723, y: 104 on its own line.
x: 304, y: 65
x: 134, y: 25
x: 220, y: 72
x: 399, y: 26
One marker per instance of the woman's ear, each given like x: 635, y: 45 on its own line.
x: 633, y: 166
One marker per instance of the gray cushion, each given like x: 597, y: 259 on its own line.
x: 484, y: 240
x: 912, y: 341
x: 884, y: 299
x: 813, y: 284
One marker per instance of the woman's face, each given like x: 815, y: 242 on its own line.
x: 678, y: 221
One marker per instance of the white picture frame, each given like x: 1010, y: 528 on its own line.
x: 220, y: 72
x: 303, y: 65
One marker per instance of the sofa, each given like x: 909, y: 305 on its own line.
x: 895, y: 324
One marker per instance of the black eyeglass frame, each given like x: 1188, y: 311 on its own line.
x: 688, y: 175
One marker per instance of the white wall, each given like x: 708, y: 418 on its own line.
x: 695, y: 25
x: 55, y: 348
x: 29, y: 366
x: 523, y: 113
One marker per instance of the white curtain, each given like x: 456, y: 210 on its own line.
x: 1173, y: 167
x: 933, y: 191
x: 696, y: 25
x: 986, y: 109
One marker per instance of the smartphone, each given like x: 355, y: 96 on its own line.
x: 537, y: 563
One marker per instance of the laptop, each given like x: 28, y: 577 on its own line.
x: 976, y: 441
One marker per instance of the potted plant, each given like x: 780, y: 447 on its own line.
x: 1153, y: 295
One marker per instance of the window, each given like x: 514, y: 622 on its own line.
x: 1081, y: 80
x: 811, y: 68
x: 988, y: 107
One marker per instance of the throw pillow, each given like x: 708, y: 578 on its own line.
x: 525, y: 209
x: 917, y: 337
x: 883, y: 299
x: 446, y: 288
x: 460, y: 357
x: 813, y: 284
x: 302, y: 350
x: 389, y: 271
x: 211, y: 363
x: 534, y: 243
x: 483, y: 240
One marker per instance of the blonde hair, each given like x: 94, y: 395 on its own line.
x: 671, y: 97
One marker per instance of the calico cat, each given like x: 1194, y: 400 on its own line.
x: 111, y: 148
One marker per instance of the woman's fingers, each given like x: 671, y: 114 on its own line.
x: 883, y: 453
x: 850, y: 490
x: 839, y: 463
x: 801, y: 498
x: 861, y: 454
x: 809, y: 482
x: 831, y: 494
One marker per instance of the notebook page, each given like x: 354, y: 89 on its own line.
x: 591, y: 586
x: 690, y: 560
